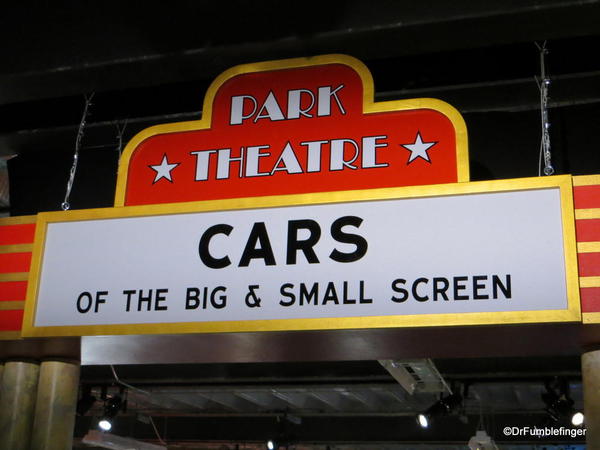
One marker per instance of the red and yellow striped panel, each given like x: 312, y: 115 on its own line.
x: 586, y: 192
x: 16, y: 243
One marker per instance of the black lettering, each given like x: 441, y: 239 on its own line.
x: 192, y: 298
x: 396, y: 288
x: 330, y: 294
x: 440, y: 290
x: 306, y: 245
x: 345, y: 299
x: 147, y: 300
x: 100, y: 299
x: 205, y: 297
x: 505, y: 288
x: 88, y: 298
x: 460, y: 287
x: 306, y: 295
x: 203, y: 246
x: 220, y: 301
x: 361, y: 297
x: 258, y: 236
x: 479, y: 286
x: 348, y: 238
x: 415, y: 292
x: 129, y: 293
x: 284, y: 291
x: 160, y: 297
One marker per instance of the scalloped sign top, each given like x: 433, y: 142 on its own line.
x: 295, y: 126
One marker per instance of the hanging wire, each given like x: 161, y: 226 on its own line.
x: 544, y: 85
x: 122, y: 383
x: 120, y: 131
x: 481, y: 423
x: 129, y: 386
x: 88, y: 102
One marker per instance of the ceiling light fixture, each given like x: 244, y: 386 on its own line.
x: 577, y: 419
x: 481, y: 441
x: 559, y: 404
x: 105, y: 424
x: 442, y: 407
x: 112, y: 406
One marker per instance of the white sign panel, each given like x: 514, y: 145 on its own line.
x: 389, y: 259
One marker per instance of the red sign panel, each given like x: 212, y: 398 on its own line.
x: 16, y: 242
x: 586, y: 193
x: 294, y: 126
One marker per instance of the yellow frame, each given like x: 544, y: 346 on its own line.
x: 369, y: 106
x: 571, y: 314
x: 18, y: 220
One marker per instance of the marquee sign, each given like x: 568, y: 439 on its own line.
x: 294, y: 126
x: 466, y: 253
x: 297, y: 202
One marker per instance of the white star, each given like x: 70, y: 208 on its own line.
x: 418, y: 149
x: 163, y: 170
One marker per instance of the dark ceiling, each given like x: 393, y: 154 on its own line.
x: 150, y: 62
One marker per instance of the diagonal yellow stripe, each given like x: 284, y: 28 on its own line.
x: 16, y: 276
x: 586, y: 180
x: 17, y: 220
x: 591, y: 213
x: 12, y: 305
x: 16, y: 248
x: 586, y: 282
x: 10, y: 335
x: 588, y: 247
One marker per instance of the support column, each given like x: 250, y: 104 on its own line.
x: 18, y: 391
x: 590, y: 369
x: 56, y: 404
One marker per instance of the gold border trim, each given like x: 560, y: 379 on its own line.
x: 588, y: 282
x: 571, y: 314
x: 15, y: 276
x: 11, y: 305
x: 591, y: 317
x: 16, y: 248
x: 588, y: 247
x: 591, y: 213
x: 10, y: 335
x: 586, y: 180
x: 369, y: 106
x: 337, y: 323
x: 17, y: 220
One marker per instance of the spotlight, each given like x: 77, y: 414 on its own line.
x: 442, y: 407
x: 271, y: 445
x: 104, y: 424
x: 112, y: 406
x: 577, y: 419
